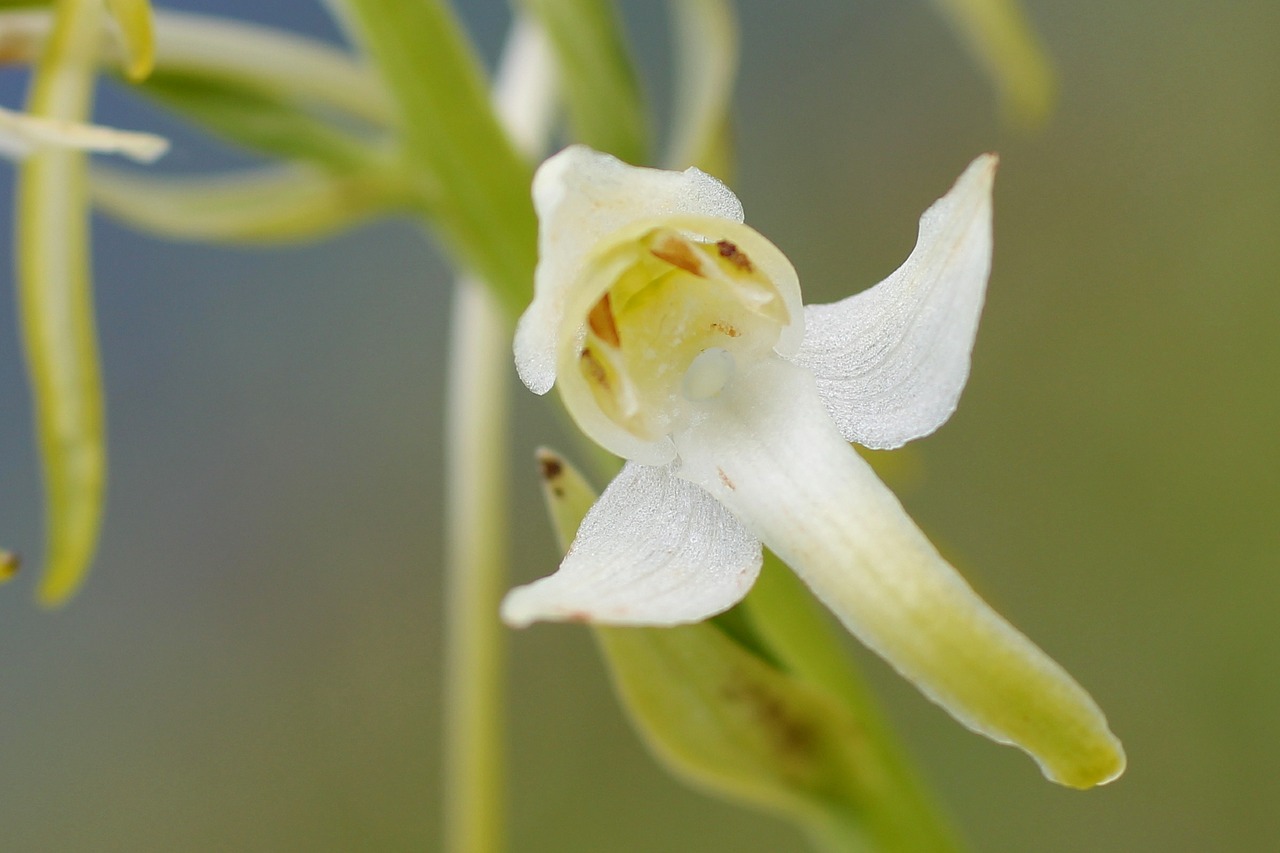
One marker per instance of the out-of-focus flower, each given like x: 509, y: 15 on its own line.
x: 22, y: 134
x: 679, y: 341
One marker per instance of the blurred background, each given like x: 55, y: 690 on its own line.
x: 254, y: 663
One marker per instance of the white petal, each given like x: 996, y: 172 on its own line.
x: 22, y: 134
x: 775, y: 459
x: 891, y: 361
x: 654, y: 550
x: 581, y: 197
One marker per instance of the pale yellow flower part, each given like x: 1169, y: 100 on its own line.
x: 22, y: 134
x: 679, y: 341
x: 137, y: 32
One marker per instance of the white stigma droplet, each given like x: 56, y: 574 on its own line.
x: 708, y: 373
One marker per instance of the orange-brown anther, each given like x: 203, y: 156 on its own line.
x: 602, y: 323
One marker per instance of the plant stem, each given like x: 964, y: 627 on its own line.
x: 483, y: 212
x: 477, y: 480
x: 476, y: 477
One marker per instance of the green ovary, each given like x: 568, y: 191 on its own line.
x: 670, y: 333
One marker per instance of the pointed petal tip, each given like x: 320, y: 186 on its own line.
x: 982, y: 171
x: 543, y: 454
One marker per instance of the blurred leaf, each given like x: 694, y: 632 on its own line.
x: 729, y: 721
x: 998, y: 35
x: 56, y: 306
x: 599, y: 80
x: 706, y: 46
x: 284, y: 65
x: 257, y: 119
x: 9, y: 565
x: 138, y: 30
x: 272, y: 204
x: 449, y: 131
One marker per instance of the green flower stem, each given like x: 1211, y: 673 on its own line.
x: 705, y: 34
x: 56, y: 305
x: 478, y: 483
x: 449, y: 131
x: 475, y: 565
x: 601, y: 88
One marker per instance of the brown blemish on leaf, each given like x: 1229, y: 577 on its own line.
x: 550, y: 467
x: 678, y: 253
x: 724, y: 478
x: 726, y: 329
x: 794, y: 739
x: 602, y: 323
x: 731, y: 253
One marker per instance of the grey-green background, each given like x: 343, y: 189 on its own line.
x: 254, y: 664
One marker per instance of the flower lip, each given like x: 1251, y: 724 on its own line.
x: 652, y: 300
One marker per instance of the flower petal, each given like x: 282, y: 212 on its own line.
x: 22, y: 134
x: 581, y: 197
x: 774, y: 458
x: 891, y: 361
x: 654, y: 550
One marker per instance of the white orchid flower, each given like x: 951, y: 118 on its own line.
x: 679, y: 341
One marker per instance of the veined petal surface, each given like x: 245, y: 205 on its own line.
x: 654, y: 550
x: 773, y: 457
x: 581, y: 197
x: 892, y: 360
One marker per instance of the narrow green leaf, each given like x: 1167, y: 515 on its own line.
x: 448, y: 129
x: 258, y: 119
x: 600, y: 82
x: 291, y: 67
x: 268, y: 205
x: 706, y: 48
x: 56, y: 306
x: 733, y: 723
x: 999, y: 37
x: 138, y: 31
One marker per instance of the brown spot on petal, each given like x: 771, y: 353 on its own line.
x: 724, y: 478
x: 593, y: 369
x: 678, y: 253
x: 726, y: 329
x: 602, y: 323
x: 731, y: 253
